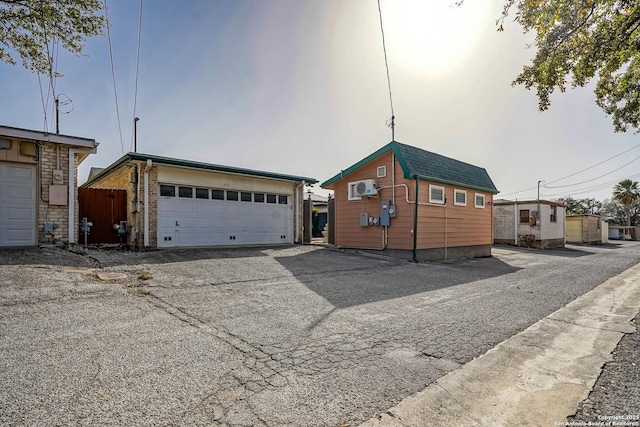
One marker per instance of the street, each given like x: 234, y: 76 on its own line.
x: 266, y: 336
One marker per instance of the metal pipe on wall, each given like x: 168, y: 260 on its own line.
x: 415, y: 226
x: 146, y: 203
x: 72, y: 189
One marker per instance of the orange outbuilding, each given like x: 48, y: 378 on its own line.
x: 412, y: 203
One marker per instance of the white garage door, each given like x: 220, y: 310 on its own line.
x: 189, y: 216
x: 17, y: 204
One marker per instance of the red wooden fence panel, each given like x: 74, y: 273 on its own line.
x: 103, y: 208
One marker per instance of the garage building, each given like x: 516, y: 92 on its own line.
x: 38, y: 191
x: 200, y: 204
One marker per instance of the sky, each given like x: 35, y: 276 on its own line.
x: 300, y: 87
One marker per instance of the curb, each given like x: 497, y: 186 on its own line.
x: 537, y: 377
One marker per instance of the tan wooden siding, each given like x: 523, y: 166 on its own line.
x: 465, y: 225
x: 451, y: 226
x: 348, y: 229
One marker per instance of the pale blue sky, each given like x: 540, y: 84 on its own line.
x: 299, y: 87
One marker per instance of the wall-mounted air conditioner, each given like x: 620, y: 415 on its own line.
x: 364, y: 188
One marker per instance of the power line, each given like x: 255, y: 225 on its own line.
x: 44, y: 107
x: 576, y: 173
x: 593, y: 179
x: 113, y: 73
x: 386, y: 64
x: 597, y: 164
x: 597, y: 187
x: 135, y: 96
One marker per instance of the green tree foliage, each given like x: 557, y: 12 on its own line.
x: 627, y: 193
x: 30, y: 27
x: 580, y: 40
x: 615, y: 214
x: 581, y: 206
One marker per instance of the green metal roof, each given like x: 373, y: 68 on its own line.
x: 422, y: 164
x: 195, y: 165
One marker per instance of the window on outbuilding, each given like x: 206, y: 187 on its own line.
x: 202, y: 193
x: 460, y: 197
x: 232, y: 195
x: 436, y: 194
x: 479, y: 200
x: 524, y: 216
x: 258, y: 198
x: 553, y: 217
x: 168, y: 190
x: 245, y: 197
x: 271, y: 198
x: 186, y: 192
x: 217, y: 194
x: 283, y: 200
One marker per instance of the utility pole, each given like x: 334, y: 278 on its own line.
x: 393, y: 128
x: 57, y: 102
x: 135, y: 134
x: 538, y: 214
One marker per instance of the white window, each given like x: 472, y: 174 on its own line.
x: 479, y: 200
x: 436, y: 194
x: 382, y: 171
x: 460, y: 197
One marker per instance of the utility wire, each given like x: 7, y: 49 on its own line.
x: 386, y: 64
x: 44, y: 106
x: 113, y: 73
x: 597, y: 164
x: 576, y: 173
x: 135, y: 96
x: 593, y: 179
x: 592, y: 188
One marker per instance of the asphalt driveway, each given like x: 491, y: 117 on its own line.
x: 275, y: 336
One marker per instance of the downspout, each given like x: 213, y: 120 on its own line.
x: 516, y: 218
x: 136, y: 222
x: 564, y: 227
x: 415, y: 225
x: 72, y: 187
x: 446, y: 228
x: 393, y: 177
x: 299, y: 201
x: 146, y: 203
x: 385, y: 238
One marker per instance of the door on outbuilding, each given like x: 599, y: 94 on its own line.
x: 192, y: 216
x: 103, y: 208
x: 18, y: 197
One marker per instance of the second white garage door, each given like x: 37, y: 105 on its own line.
x: 190, y: 216
x: 17, y: 204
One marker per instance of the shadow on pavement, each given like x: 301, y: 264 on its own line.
x: 115, y: 257
x: 567, y: 252
x: 347, y: 280
x: 162, y: 256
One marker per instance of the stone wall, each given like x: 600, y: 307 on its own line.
x: 51, y: 209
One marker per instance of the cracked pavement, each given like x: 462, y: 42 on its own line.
x: 261, y: 336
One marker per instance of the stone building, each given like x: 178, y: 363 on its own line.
x: 173, y: 202
x: 38, y: 186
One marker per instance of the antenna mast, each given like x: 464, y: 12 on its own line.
x: 391, y: 123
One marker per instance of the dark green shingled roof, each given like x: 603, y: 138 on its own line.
x: 195, y: 165
x: 422, y: 164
